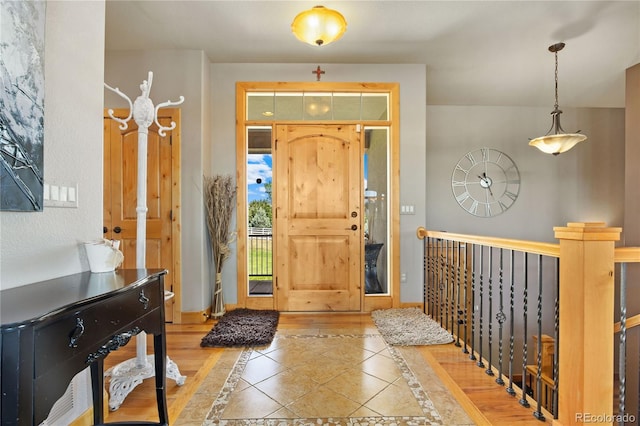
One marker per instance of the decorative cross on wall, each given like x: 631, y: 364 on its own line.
x: 318, y: 72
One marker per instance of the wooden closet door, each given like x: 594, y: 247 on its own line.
x: 120, y: 195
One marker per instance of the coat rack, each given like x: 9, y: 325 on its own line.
x: 128, y: 374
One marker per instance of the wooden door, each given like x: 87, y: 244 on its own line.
x: 120, y: 194
x: 318, y: 199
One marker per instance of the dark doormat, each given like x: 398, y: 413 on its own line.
x: 243, y: 327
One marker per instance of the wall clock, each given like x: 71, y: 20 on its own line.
x: 485, y: 182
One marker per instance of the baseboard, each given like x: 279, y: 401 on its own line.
x: 198, y: 317
x: 418, y: 305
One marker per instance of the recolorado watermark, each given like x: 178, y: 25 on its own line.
x: 605, y: 418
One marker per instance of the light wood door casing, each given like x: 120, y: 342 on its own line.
x: 318, y: 219
x: 120, y: 195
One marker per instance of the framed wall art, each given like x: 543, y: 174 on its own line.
x: 22, y: 33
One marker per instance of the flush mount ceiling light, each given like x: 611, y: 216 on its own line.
x: 556, y: 141
x: 319, y: 26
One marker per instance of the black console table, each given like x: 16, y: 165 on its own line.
x: 52, y: 330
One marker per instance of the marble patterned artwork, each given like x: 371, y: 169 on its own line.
x: 22, y: 35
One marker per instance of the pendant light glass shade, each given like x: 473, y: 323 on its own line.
x: 557, y: 141
x: 319, y: 26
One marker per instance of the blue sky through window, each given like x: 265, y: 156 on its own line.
x: 259, y: 166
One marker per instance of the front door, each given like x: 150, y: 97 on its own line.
x: 318, y: 217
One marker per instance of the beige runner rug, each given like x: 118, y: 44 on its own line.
x: 409, y: 327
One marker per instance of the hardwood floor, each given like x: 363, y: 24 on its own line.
x: 484, y: 401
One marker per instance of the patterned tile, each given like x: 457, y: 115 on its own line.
x: 354, y: 380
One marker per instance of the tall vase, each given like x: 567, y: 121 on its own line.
x: 217, y: 307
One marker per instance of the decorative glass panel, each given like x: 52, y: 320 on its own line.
x: 317, y: 106
x: 375, y: 106
x: 346, y: 106
x: 260, y: 106
x: 288, y: 106
x: 325, y: 106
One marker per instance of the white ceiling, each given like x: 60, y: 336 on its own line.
x: 475, y: 52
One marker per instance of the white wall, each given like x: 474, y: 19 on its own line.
x: 42, y: 245
x: 584, y: 184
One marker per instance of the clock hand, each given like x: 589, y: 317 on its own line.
x: 487, y: 181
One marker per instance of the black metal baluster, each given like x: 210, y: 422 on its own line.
x: 427, y: 303
x: 622, y: 362
x: 425, y: 275
x: 489, y: 369
x: 438, y: 289
x: 433, y: 260
x: 443, y: 278
x: 523, y: 401
x: 458, y: 311
x: 445, y: 290
x: 447, y: 286
x: 452, y: 287
x: 480, y: 363
x: 473, y: 302
x: 556, y: 340
x: 436, y: 279
x: 465, y: 298
x: 500, y: 316
x: 510, y: 389
x: 538, y: 413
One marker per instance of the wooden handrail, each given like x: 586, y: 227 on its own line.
x: 545, y: 249
x: 626, y: 254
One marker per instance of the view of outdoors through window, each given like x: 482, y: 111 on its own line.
x: 260, y: 236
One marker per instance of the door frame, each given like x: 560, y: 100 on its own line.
x: 176, y: 238
x: 368, y: 302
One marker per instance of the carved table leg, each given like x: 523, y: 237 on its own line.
x: 128, y: 374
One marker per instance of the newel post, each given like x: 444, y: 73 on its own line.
x: 586, y: 337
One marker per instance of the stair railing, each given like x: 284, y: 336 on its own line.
x: 475, y: 286
x: 481, y: 289
x: 628, y: 409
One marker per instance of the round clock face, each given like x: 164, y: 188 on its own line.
x: 485, y: 182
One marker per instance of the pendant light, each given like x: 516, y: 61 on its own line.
x: 556, y: 141
x: 319, y: 26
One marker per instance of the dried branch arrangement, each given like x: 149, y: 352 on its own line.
x: 219, y: 197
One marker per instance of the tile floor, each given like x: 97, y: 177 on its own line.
x: 321, y: 379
